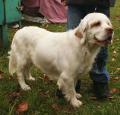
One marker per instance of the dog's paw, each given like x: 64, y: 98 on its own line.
x: 76, y: 103
x: 78, y: 95
x: 25, y: 87
x: 31, y: 78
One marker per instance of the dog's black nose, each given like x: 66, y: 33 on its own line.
x: 109, y: 30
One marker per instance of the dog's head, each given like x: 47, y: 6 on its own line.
x: 95, y: 28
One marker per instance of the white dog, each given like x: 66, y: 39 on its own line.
x: 63, y: 56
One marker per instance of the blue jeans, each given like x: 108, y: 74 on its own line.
x: 99, y: 72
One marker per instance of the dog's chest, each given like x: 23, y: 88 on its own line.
x: 86, y: 63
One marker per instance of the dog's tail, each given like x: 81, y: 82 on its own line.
x: 12, y: 60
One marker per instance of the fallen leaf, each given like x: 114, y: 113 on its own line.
x: 46, y: 78
x: 115, y: 90
x: 115, y: 79
x: 1, y: 77
x: 22, y: 107
x: 55, y: 106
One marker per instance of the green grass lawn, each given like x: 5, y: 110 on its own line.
x: 41, y: 99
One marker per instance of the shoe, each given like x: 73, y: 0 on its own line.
x: 101, y: 90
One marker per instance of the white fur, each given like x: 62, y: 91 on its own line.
x: 63, y: 56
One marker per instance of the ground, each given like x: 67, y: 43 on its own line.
x: 41, y: 100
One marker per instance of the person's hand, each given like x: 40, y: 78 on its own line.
x: 64, y: 2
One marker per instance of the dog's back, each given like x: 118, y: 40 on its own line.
x: 22, y: 41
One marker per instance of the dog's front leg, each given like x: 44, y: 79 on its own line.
x: 66, y: 84
x: 78, y: 95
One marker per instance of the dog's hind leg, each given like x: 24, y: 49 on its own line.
x: 27, y: 73
x: 66, y: 84
x: 21, y: 80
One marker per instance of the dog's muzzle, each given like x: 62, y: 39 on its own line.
x: 108, y: 39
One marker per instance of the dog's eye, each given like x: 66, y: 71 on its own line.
x: 95, y: 24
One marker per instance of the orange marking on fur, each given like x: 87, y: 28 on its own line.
x: 78, y: 34
x: 95, y: 24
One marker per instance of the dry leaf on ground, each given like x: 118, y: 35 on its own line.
x: 55, y: 106
x: 115, y: 90
x: 22, y: 107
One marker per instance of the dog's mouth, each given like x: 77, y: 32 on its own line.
x: 107, y: 41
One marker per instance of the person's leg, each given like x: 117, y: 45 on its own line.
x: 99, y: 73
x: 75, y: 14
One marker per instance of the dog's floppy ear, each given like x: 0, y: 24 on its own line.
x: 79, y: 34
x: 81, y: 31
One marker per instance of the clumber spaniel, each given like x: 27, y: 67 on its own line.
x: 63, y: 56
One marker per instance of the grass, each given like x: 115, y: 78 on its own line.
x: 42, y: 100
